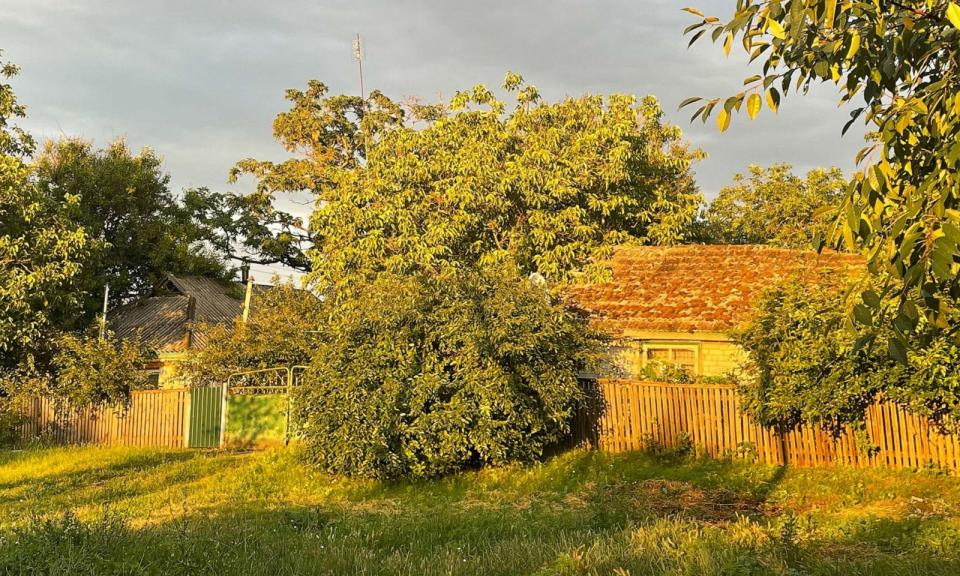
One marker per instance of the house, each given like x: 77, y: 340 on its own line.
x: 168, y: 322
x: 678, y: 304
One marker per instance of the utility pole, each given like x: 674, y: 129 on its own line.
x: 103, y: 316
x: 246, y: 299
x: 358, y: 56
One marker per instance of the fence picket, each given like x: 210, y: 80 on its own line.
x: 153, y: 418
x: 711, y: 416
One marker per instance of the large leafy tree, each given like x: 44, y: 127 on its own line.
x: 896, y: 66
x: 437, y: 236
x: 41, y: 250
x: 551, y: 185
x: 138, y: 229
x: 774, y: 206
x: 425, y: 375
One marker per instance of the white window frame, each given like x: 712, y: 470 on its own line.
x: 646, y: 345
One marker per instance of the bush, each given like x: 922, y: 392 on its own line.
x: 810, y: 363
x: 82, y: 370
x: 419, y: 376
x: 10, y: 420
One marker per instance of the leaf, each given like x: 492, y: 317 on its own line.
x: 819, y: 241
x: 897, y: 351
x: 695, y: 38
x: 723, y: 120
x: 953, y: 15
x: 865, y: 340
x: 776, y: 29
x: 956, y: 104
x: 754, y: 103
x: 863, y: 315
x: 773, y: 99
x: 854, y: 45
x: 693, y: 11
x: 689, y: 101
x: 829, y: 13
x: 727, y: 44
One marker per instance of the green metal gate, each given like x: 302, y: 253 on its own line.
x: 205, y: 414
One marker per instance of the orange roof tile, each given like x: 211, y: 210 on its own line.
x: 696, y: 288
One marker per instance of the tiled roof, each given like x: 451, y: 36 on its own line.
x: 162, y: 321
x: 697, y: 288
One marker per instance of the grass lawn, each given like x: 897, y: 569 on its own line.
x: 129, y: 511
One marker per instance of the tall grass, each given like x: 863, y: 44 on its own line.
x: 125, y: 511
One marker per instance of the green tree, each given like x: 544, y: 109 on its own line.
x: 774, y: 206
x: 40, y: 248
x: 424, y: 375
x: 138, y: 229
x: 281, y: 331
x: 810, y: 363
x: 440, y: 235
x: 551, y: 185
x: 896, y: 63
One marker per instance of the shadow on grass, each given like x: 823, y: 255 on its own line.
x: 303, y: 540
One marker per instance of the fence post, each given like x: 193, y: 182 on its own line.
x: 286, y: 423
x: 223, y: 412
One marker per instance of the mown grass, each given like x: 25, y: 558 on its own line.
x: 99, y: 511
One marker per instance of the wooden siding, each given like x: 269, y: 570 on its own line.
x: 634, y: 415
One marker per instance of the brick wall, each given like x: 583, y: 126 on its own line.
x: 719, y: 358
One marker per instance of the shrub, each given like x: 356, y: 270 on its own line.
x: 10, y: 419
x: 420, y: 376
x: 811, y: 363
x: 82, y: 370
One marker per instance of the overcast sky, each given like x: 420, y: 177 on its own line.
x: 200, y: 81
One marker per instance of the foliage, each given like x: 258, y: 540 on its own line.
x: 138, y: 229
x: 422, y: 376
x: 810, y: 363
x: 659, y: 371
x: 82, y: 370
x: 550, y: 186
x: 90, y: 511
x: 280, y: 332
x: 903, y: 207
x: 10, y: 421
x: 40, y: 249
x: 249, y: 227
x: 774, y: 206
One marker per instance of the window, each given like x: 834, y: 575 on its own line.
x: 680, y: 355
x: 153, y: 378
x: 644, y: 359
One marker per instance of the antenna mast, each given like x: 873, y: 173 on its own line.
x: 358, y: 56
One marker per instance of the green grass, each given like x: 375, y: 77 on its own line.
x: 126, y: 511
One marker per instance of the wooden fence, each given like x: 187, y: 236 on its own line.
x: 153, y: 418
x: 635, y: 414
x: 632, y: 416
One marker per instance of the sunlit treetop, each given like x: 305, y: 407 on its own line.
x: 550, y: 186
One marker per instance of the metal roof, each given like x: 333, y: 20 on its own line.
x: 163, y: 321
